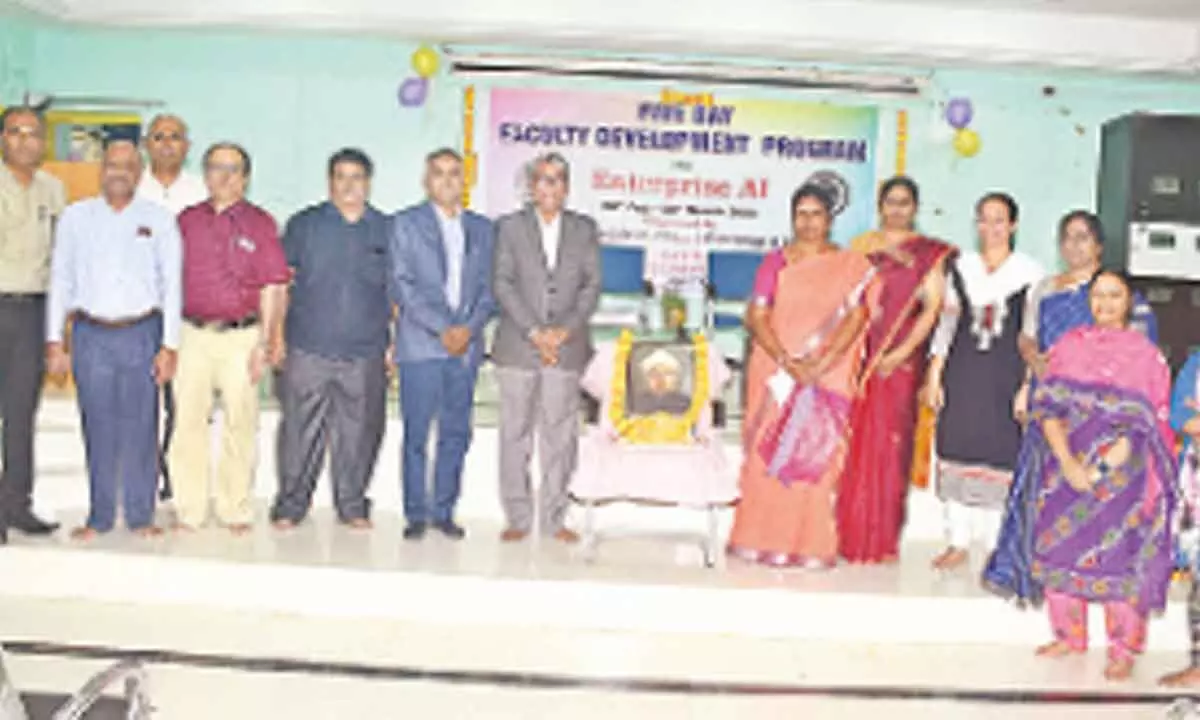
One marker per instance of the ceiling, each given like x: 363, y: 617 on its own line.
x: 127, y: 10
x: 1160, y: 36
x: 1163, y: 9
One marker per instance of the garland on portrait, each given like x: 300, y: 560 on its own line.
x: 658, y: 428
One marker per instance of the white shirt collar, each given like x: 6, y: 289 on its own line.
x: 984, y: 288
x: 551, y: 235
x: 445, y: 218
x: 187, y: 190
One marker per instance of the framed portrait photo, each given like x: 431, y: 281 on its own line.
x: 661, y: 378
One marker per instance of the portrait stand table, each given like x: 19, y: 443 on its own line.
x: 612, y: 469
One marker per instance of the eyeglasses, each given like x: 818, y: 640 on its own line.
x: 547, y: 179
x: 23, y: 131
x: 224, y: 168
x: 168, y: 137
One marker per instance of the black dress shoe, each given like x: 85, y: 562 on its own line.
x: 415, y: 531
x: 450, y: 530
x: 31, y: 524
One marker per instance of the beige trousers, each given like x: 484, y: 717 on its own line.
x: 212, y: 362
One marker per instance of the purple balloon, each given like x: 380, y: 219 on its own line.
x: 413, y: 91
x: 959, y: 113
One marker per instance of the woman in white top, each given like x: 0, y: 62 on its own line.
x: 973, y: 376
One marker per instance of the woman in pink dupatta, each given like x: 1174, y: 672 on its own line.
x: 807, y: 318
x: 1105, y: 496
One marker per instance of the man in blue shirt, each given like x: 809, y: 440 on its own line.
x: 116, y: 276
x: 333, y: 386
x: 441, y: 282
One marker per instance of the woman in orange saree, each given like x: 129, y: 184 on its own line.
x: 874, y: 489
x: 806, y: 317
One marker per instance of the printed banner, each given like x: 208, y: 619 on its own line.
x: 682, y: 174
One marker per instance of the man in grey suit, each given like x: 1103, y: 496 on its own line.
x: 546, y: 280
x: 441, y: 282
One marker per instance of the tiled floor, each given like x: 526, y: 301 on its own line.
x: 327, y: 623
x: 188, y: 691
x: 497, y: 661
x: 188, y: 694
x: 706, y: 660
x: 641, y: 583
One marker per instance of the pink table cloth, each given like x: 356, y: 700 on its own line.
x: 696, y: 475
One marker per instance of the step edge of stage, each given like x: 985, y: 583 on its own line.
x: 853, y: 617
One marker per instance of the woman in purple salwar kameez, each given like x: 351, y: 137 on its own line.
x: 1106, y: 496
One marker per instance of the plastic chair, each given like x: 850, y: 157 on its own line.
x: 730, y: 282
x: 728, y: 288
x: 625, y: 292
x: 622, y: 270
x: 622, y: 279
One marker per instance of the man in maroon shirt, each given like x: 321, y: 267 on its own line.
x: 234, y: 278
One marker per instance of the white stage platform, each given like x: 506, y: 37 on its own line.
x: 641, y: 585
x: 638, y: 584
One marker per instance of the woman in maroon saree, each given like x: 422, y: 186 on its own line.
x: 874, y: 488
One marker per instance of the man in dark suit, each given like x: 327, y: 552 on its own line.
x: 547, y: 283
x: 441, y: 283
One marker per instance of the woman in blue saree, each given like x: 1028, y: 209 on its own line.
x: 1185, y: 420
x: 1056, y: 306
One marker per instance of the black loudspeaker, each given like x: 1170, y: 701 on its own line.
x: 1148, y: 200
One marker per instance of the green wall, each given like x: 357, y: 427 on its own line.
x: 292, y: 99
x: 17, y: 36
